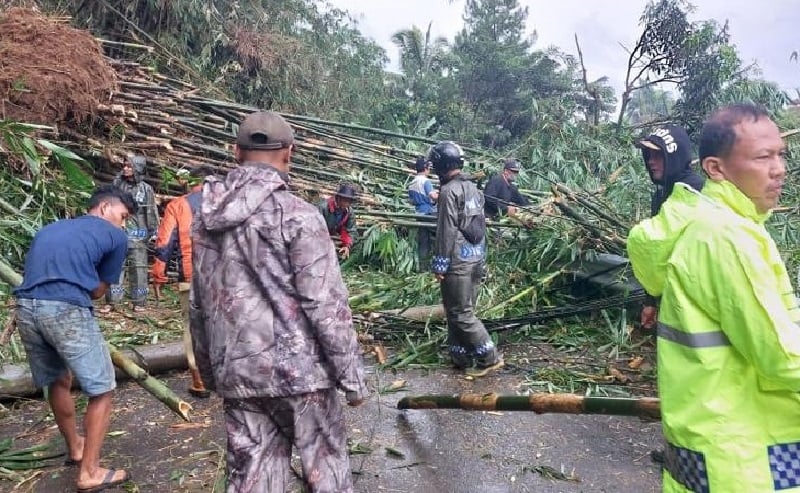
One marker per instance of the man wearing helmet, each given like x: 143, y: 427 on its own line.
x: 502, y: 195
x: 141, y: 227
x: 459, y: 261
x: 338, y: 214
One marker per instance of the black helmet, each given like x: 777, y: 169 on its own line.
x: 347, y: 191
x: 446, y: 156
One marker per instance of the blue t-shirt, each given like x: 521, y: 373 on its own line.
x: 419, y: 195
x: 69, y: 258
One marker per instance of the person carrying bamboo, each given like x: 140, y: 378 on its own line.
x: 175, y: 235
x: 70, y: 263
x: 423, y: 197
x: 459, y: 261
x: 667, y: 155
x: 273, y: 333
x: 338, y: 214
x: 142, y: 228
x: 729, y: 346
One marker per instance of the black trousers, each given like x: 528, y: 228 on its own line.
x: 467, y: 338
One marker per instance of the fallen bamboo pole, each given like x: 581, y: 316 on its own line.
x: 646, y: 407
x: 157, y: 388
x: 16, y: 380
x: 153, y: 385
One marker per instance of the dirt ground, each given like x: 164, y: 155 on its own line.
x: 445, y: 451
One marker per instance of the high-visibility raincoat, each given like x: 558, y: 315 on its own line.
x: 729, y: 343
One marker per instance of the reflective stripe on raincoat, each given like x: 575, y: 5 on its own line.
x: 729, y: 343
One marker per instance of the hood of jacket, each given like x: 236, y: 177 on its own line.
x: 229, y: 202
x: 652, y: 241
x: 677, y: 150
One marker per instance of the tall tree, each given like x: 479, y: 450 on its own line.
x: 493, y: 54
x: 500, y: 78
x: 694, y: 56
x: 651, y: 104
x: 422, y: 58
x: 425, y: 61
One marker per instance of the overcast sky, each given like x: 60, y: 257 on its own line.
x: 764, y: 31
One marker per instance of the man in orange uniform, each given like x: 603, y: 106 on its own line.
x: 175, y: 233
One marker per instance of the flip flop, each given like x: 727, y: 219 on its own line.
x: 107, y: 482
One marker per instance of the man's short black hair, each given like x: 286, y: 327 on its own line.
x: 719, y: 135
x: 110, y: 192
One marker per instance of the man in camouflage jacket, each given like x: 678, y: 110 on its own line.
x: 270, y: 321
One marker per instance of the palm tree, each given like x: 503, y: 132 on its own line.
x: 421, y: 59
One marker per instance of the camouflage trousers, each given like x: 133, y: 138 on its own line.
x: 261, y: 432
x: 135, y: 272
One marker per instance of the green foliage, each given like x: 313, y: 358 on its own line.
x: 41, y: 182
x: 383, y: 248
x: 290, y: 55
x: 697, y: 57
x: 499, y: 78
x: 648, y: 105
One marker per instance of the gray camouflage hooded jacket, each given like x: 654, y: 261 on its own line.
x: 269, y: 314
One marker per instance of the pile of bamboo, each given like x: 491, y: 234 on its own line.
x: 166, y: 120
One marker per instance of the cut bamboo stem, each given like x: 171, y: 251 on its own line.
x: 151, y: 384
x: 540, y: 403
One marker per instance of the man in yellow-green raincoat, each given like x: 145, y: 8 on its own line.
x: 729, y: 343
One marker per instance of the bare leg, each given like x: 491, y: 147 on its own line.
x: 63, y: 406
x: 96, y: 421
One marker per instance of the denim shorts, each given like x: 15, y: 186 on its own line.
x: 60, y: 336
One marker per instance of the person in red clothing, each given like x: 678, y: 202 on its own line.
x: 175, y: 236
x: 338, y: 214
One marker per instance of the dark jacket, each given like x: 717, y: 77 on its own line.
x: 499, y: 194
x: 460, y: 211
x: 144, y: 223
x: 269, y: 314
x: 340, y: 221
x: 677, y: 149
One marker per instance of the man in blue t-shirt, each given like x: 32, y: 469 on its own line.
x: 423, y: 197
x: 70, y: 263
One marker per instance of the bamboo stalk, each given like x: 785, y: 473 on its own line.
x: 539, y: 403
x: 153, y: 385
x: 157, y: 388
